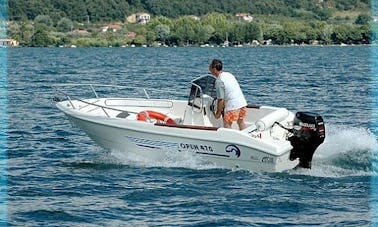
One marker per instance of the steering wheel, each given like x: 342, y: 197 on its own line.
x: 214, y: 105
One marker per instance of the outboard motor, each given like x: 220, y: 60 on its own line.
x: 308, y: 133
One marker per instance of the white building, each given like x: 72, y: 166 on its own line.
x: 9, y: 42
x: 244, y: 17
x: 142, y: 18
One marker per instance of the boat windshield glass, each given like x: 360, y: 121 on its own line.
x: 200, y: 86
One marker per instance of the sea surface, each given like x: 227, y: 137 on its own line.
x: 56, y: 176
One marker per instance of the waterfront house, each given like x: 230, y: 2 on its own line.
x: 8, y: 43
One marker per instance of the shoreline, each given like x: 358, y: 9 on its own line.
x: 199, y: 46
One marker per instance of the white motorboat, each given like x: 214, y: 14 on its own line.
x: 275, y: 139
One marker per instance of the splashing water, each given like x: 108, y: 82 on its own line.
x: 347, y: 149
x: 171, y: 159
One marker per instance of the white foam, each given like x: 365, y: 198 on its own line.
x: 170, y: 159
x: 346, y: 151
x: 325, y: 170
x: 343, y: 139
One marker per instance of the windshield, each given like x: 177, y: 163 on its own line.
x: 200, y: 86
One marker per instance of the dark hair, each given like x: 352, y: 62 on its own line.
x: 216, y: 64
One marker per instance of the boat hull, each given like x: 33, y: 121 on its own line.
x: 224, y: 148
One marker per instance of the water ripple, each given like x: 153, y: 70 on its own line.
x: 58, y: 176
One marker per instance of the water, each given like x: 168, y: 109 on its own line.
x: 57, y: 176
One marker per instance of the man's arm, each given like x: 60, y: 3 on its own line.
x: 220, y: 107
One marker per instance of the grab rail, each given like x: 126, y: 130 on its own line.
x: 94, y: 91
x: 102, y: 107
x: 192, y: 100
x: 58, y: 88
x: 92, y: 86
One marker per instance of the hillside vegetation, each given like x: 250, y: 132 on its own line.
x: 117, y: 10
x: 58, y: 22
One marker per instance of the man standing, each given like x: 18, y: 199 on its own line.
x: 229, y: 95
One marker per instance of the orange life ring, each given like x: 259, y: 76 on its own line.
x: 150, y: 114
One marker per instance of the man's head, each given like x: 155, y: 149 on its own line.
x: 216, y: 67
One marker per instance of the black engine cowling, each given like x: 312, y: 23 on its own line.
x: 308, y: 133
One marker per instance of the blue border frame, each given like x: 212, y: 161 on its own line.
x: 3, y: 135
x: 374, y: 129
x: 3, y: 115
x: 374, y: 114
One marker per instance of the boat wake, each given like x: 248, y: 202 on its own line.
x: 346, y: 151
x: 171, y: 160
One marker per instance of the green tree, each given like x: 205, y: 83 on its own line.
x: 237, y: 33
x: 73, y: 10
x: 272, y: 32
x: 159, y: 20
x: 355, y: 35
x: 323, y: 14
x: 252, y: 32
x: 41, y: 37
x: 366, y: 32
x: 162, y: 32
x: 281, y: 37
x: 140, y: 40
x: 312, y: 32
x: 151, y: 37
x: 14, y: 31
x: 136, y: 5
x: 347, y: 34
x: 363, y: 19
x: 43, y: 19
x: 221, y: 25
x: 64, y: 25
x: 184, y: 30
x: 204, y: 33
x: 26, y: 31
x: 326, y: 34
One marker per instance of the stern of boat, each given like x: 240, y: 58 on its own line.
x: 308, y: 133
